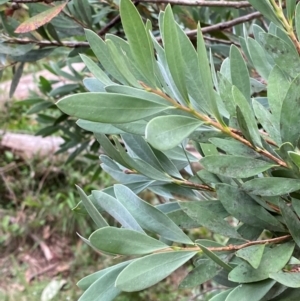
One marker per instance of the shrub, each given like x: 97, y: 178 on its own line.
x: 149, y: 104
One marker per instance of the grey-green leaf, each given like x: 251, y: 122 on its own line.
x: 149, y: 217
x: 271, y: 186
x: 124, y: 241
x: 91, y: 209
x: 104, y: 288
x: 139, y: 42
x: 289, y: 279
x: 234, y: 166
x: 108, y: 107
x: 117, y: 210
x: 149, y: 270
x: 239, y: 72
x: 273, y: 260
x: 209, y: 219
x: 290, y: 112
x: 291, y: 220
x: 252, y: 254
x: 240, y: 205
x: 166, y: 132
x: 255, y: 291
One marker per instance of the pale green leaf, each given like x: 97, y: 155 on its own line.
x: 124, y: 241
x: 91, y: 209
x: 166, y: 132
x: 149, y: 270
x: 297, y: 20
x: 255, y: 291
x: 149, y: 217
x: 108, y: 107
x: 113, y: 207
x: 252, y: 254
x: 239, y: 72
x: 289, y: 279
x: 139, y: 42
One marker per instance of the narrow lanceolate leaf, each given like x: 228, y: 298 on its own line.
x: 209, y: 219
x: 291, y: 220
x: 249, y: 126
x: 138, y: 39
x: 239, y: 72
x: 234, y: 166
x: 87, y: 281
x: 297, y: 20
x: 104, y: 288
x: 205, y: 75
x: 166, y: 132
x: 252, y: 254
x: 92, y: 210
x: 149, y: 217
x: 149, y: 270
x: 96, y: 70
x: 273, y: 260
x: 40, y: 19
x: 256, y: 290
x: 295, y: 158
x: 124, y: 242
x: 113, y: 207
x: 271, y: 186
x: 108, y: 107
x: 240, y: 205
x: 278, y: 84
x: 266, y: 9
x: 289, y: 279
x: 16, y: 79
x: 173, y: 53
x: 290, y: 112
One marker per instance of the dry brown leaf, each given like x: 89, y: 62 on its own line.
x: 40, y: 19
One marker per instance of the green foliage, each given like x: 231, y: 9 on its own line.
x: 250, y: 174
x: 146, y: 105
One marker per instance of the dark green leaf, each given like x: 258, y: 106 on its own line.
x: 271, y: 186
x: 273, y: 260
x: 234, y: 166
x: 166, y: 132
x: 149, y: 270
x: 108, y: 107
x: 124, y: 242
x: 33, y: 55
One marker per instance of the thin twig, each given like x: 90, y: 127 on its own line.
x: 229, y: 247
x: 231, y: 4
